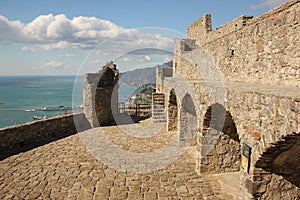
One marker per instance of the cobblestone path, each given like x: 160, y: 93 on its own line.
x: 66, y: 169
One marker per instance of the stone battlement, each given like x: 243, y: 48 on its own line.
x: 263, y: 50
x: 201, y: 29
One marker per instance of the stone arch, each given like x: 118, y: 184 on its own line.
x: 220, y: 149
x: 277, y: 172
x: 188, y: 121
x: 172, y: 112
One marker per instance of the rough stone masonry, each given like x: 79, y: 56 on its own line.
x: 100, y: 95
x: 242, y: 84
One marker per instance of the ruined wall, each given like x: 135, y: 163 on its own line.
x: 16, y: 137
x: 264, y: 49
x: 100, y: 95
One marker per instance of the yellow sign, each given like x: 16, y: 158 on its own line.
x: 246, y: 155
x: 245, y: 163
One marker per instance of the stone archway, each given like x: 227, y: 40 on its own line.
x: 172, y: 112
x: 188, y: 121
x: 220, y: 150
x: 278, y: 170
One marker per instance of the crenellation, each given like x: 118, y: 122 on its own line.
x: 200, y: 28
x: 262, y: 50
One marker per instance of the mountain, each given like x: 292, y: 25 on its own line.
x: 139, y: 77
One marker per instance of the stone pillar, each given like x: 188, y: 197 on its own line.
x: 100, y: 95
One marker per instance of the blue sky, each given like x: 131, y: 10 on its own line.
x: 71, y: 36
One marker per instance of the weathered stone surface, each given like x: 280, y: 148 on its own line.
x: 64, y: 169
x: 250, y: 68
x: 100, y: 95
x: 18, y: 137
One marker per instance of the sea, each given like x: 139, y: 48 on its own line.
x: 23, y: 98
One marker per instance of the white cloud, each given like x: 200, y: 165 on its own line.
x: 125, y: 59
x: 67, y: 55
x: 268, y: 3
x: 148, y: 58
x: 51, y: 32
x: 93, y: 62
x: 31, y: 49
x: 53, y: 64
x: 50, y: 65
x: 144, y: 59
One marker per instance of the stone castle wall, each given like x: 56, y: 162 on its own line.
x: 264, y: 49
x: 16, y: 137
x: 249, y: 68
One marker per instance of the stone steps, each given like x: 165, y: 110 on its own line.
x: 158, y: 108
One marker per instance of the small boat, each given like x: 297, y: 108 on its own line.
x: 29, y: 110
x: 35, y: 117
x: 53, y: 108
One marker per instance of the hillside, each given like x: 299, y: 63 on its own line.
x: 140, y: 77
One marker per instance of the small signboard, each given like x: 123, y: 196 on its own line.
x: 246, y: 155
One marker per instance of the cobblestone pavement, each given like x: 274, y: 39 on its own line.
x: 65, y: 169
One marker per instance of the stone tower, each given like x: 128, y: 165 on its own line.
x: 100, y: 95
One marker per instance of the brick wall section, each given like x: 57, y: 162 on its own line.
x: 15, y: 137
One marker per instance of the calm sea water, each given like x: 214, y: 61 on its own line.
x: 21, y: 93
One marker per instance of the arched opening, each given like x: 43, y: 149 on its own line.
x: 279, y: 170
x: 188, y: 121
x: 172, y: 112
x: 220, y: 150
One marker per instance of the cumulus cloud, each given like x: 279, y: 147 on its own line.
x: 58, y: 32
x: 268, y: 3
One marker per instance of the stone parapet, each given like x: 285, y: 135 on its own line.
x: 16, y: 137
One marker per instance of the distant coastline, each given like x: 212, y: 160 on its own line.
x: 33, y: 93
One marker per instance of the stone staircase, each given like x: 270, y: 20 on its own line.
x: 158, y: 108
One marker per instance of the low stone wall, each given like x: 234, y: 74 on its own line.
x: 14, y: 138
